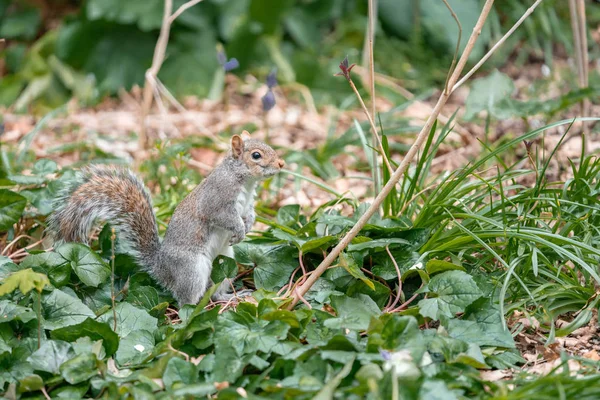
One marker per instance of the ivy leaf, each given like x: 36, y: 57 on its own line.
x: 86, y: 264
x: 53, y: 264
x: 135, y: 348
x: 274, y: 264
x: 25, y: 280
x: 482, y: 325
x: 223, y: 268
x: 179, y: 370
x: 129, y: 319
x: 489, y: 94
x: 349, y: 263
x: 10, y: 311
x: 62, y: 310
x: 353, y: 312
x: 50, y: 356
x: 94, y: 330
x: 454, y: 290
x: 80, y: 368
x: 7, y: 267
x: 11, y: 208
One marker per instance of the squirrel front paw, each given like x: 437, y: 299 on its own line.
x: 238, y: 235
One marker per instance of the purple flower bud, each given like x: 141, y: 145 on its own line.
x: 268, y: 100
x: 385, y: 355
x: 272, y: 78
x: 231, y: 65
x: 346, y: 68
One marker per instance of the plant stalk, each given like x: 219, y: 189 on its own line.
x: 403, y: 165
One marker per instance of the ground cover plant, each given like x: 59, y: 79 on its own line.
x: 399, y: 256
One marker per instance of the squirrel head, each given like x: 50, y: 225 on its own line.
x: 259, y: 157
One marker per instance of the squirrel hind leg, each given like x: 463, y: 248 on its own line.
x: 191, y: 279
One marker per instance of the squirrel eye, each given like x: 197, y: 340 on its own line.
x: 256, y: 155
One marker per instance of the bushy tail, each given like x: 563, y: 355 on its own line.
x: 111, y: 194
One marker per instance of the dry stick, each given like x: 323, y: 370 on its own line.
x: 157, y: 60
x: 451, y: 69
x: 585, y: 104
x: 576, y: 39
x: 395, y: 84
x: 399, y: 292
x: 113, y: 238
x: 403, y: 165
x: 498, y: 44
x: 371, y: 33
x: 366, y: 111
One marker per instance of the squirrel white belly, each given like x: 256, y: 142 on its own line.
x: 215, y: 215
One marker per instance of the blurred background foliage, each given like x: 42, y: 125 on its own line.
x: 57, y: 49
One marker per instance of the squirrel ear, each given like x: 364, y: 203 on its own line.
x: 245, y: 135
x: 237, y: 146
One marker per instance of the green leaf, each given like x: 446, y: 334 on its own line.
x: 145, y: 297
x: 11, y: 208
x: 435, y: 266
x: 353, y: 312
x: 62, y: 310
x: 118, y: 55
x: 10, y: 311
x: 454, y: 290
x: 23, y: 24
x: 135, y: 348
x: 80, y: 368
x: 377, y: 244
x: 349, y: 263
x: 25, y: 280
x: 7, y: 267
x: 86, y: 264
x: 328, y: 391
x: 320, y: 243
x: 130, y: 319
x: 30, y: 383
x: 289, y: 215
x: 223, y: 268
x: 488, y: 94
x: 146, y: 14
x: 50, y: 356
x: 274, y: 264
x: 436, y: 390
x: 52, y: 264
x: 179, y: 370
x: 482, y: 326
x: 94, y: 330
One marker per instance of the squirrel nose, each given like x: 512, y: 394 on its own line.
x: 281, y: 163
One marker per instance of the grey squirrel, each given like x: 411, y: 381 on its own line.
x: 215, y: 215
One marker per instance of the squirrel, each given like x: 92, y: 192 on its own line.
x: 214, y: 216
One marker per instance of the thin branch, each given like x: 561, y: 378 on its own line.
x: 157, y: 61
x: 455, y: 57
x: 403, y: 165
x: 152, y: 72
x: 181, y: 9
x: 399, y: 292
x: 495, y: 47
x: 371, y: 33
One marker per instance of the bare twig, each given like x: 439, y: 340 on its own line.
x: 371, y: 123
x: 371, y: 33
x: 399, y: 292
x: 421, y: 137
x: 181, y: 9
x: 157, y: 61
x: 498, y: 44
x: 455, y: 57
x: 113, y: 238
